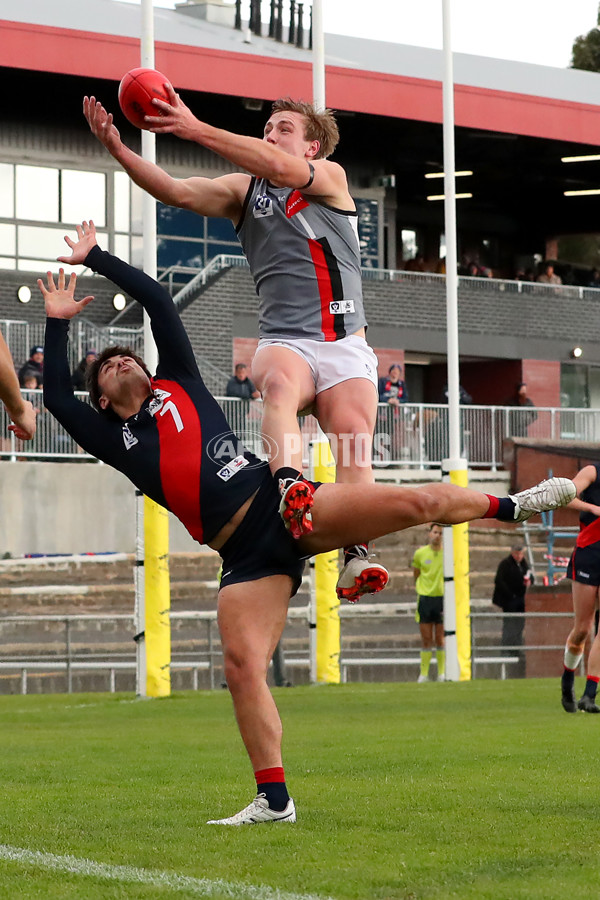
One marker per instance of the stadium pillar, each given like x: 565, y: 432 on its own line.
x: 325, y: 622
x: 318, y: 55
x: 155, y: 627
x: 457, y: 598
x: 456, y: 547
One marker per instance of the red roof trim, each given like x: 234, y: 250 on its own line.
x: 82, y: 53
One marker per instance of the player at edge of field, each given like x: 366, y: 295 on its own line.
x: 164, y: 434
x: 297, y: 224
x: 20, y: 411
x: 584, y: 572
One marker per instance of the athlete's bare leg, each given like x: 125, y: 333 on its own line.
x: 585, y: 597
x: 251, y: 619
x: 348, y: 410
x: 378, y: 509
x: 287, y: 386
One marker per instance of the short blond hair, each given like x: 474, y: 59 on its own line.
x: 319, y: 126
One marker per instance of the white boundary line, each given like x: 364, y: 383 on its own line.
x: 204, y: 887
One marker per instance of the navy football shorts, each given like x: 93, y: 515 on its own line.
x: 261, y: 545
x: 430, y: 610
x: 584, y: 565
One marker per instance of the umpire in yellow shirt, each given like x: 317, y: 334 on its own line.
x: 428, y: 569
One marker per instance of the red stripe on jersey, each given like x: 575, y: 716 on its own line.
x: 589, y: 534
x: 325, y: 289
x: 180, y: 440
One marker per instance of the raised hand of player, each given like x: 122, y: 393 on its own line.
x: 174, y: 118
x: 59, y: 300
x: 101, y: 124
x: 24, y: 421
x: 86, y: 239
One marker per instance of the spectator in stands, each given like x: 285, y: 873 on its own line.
x: 79, y: 376
x: 29, y: 382
x: 33, y: 366
x: 521, y: 419
x: 240, y: 386
x: 392, y: 392
x: 428, y: 570
x: 391, y: 387
x: 548, y: 275
x: 594, y: 281
x: 513, y: 577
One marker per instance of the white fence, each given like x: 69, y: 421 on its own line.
x: 103, y: 643
x: 411, y: 435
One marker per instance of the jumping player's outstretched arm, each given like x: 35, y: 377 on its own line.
x: 176, y: 357
x: 222, y: 197
x: 95, y: 433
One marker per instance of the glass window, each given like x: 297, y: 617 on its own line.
x: 574, y: 386
x: 409, y: 243
x: 8, y: 239
x: 122, y: 246
x: 83, y: 196
x: 6, y: 263
x: 37, y: 193
x: 137, y: 252
x: 7, y: 190
x: 137, y: 195
x: 121, y: 185
x: 221, y: 230
x: 43, y: 243
x: 179, y: 222
x: 172, y: 252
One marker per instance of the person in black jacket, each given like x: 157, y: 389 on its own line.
x: 513, y: 577
x: 169, y: 436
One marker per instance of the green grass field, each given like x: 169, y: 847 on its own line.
x: 485, y: 789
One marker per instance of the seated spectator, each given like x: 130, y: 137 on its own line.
x: 548, y: 275
x: 79, y: 376
x: 33, y: 366
x: 29, y: 381
x: 392, y: 388
x: 239, y: 385
x: 594, y: 281
x: 473, y: 270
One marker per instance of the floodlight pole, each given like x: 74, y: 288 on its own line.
x: 454, y: 468
x: 318, y: 55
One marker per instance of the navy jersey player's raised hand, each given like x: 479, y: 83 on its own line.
x: 59, y: 299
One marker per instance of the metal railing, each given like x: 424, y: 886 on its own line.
x: 413, y: 435
x: 50, y: 645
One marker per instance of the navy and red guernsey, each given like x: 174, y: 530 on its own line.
x: 179, y: 448
x: 589, y: 524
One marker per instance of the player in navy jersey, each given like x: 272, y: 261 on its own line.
x: 297, y: 224
x: 170, y: 437
x: 584, y: 571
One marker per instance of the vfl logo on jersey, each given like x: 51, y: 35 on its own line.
x: 341, y: 306
x: 232, y: 468
x: 263, y: 206
x: 129, y: 439
x: 295, y: 203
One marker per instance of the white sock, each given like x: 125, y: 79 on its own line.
x: 572, y: 660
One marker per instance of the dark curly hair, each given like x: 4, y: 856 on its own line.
x: 94, y: 371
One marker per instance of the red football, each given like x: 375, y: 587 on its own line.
x: 136, y: 92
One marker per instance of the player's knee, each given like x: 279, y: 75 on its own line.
x: 278, y: 388
x: 241, y: 670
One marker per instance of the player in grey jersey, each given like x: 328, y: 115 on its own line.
x: 297, y: 223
